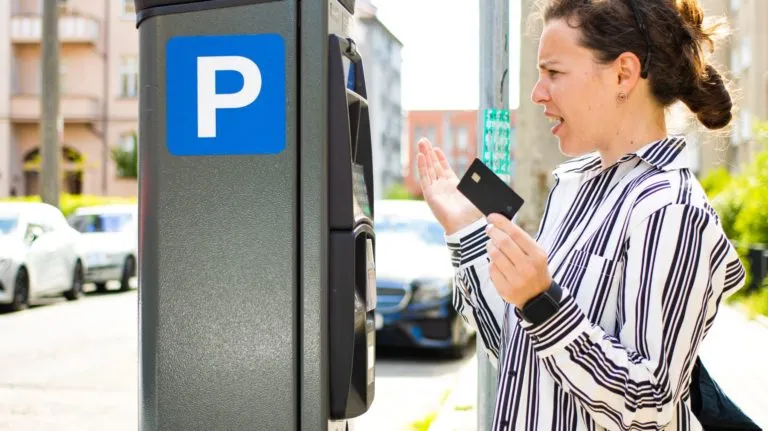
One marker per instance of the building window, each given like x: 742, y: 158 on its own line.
x: 746, y: 53
x: 129, y: 76
x: 462, y: 138
x: 127, y: 9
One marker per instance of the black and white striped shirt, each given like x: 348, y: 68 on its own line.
x: 643, y: 264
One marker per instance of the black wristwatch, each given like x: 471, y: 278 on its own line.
x: 543, y: 306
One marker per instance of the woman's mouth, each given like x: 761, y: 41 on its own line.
x: 557, y: 123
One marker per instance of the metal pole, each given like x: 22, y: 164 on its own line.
x: 49, y: 101
x: 494, y: 94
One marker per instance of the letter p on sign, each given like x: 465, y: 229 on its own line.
x: 225, y: 95
x: 208, y: 101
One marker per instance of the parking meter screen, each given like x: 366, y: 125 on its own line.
x: 360, y: 192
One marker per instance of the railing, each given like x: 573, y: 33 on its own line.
x: 72, y: 29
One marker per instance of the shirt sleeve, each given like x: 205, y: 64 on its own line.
x: 679, y: 266
x: 474, y: 296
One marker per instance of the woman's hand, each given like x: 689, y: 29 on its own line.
x: 518, y: 264
x: 438, y: 184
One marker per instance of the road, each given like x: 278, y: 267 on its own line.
x: 69, y: 366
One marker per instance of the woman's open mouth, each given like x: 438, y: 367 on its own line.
x: 557, y: 123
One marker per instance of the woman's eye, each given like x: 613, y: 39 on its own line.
x: 553, y: 72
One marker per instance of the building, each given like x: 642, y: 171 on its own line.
x: 455, y: 132
x: 382, y: 61
x: 98, y: 94
x: 747, y: 53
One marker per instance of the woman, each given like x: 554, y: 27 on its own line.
x: 597, y: 322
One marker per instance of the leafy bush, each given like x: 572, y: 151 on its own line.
x: 69, y: 203
x: 399, y: 191
x: 741, y: 201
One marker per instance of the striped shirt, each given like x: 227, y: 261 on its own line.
x: 643, y: 264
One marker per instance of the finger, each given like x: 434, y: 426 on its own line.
x: 424, y: 178
x: 524, y: 241
x: 506, y: 245
x: 436, y: 162
x: 443, y: 160
x: 426, y: 147
x: 501, y: 260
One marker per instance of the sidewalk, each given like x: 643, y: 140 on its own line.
x: 735, y: 354
x: 459, y: 411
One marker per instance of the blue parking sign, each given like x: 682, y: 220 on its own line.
x: 225, y: 95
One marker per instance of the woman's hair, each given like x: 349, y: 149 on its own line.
x: 677, y: 69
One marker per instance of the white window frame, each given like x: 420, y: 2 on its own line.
x: 129, y: 76
x: 127, y: 10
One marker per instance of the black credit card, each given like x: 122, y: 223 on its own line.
x: 488, y: 192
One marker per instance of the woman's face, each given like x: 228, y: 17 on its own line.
x: 578, y: 93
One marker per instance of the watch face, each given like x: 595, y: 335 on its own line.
x: 540, y: 309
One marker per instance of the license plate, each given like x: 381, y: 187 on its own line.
x: 378, y: 320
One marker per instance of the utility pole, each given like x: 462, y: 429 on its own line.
x: 494, y: 94
x: 536, y: 152
x: 49, y: 100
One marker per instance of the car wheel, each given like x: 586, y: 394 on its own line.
x: 20, y: 292
x: 77, y: 283
x: 129, y: 270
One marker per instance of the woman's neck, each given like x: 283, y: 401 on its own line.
x: 639, y: 127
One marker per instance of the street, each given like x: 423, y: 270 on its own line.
x: 73, y: 366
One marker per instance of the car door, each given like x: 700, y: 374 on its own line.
x: 39, y: 251
x: 62, y: 249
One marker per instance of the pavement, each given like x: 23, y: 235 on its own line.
x: 735, y: 353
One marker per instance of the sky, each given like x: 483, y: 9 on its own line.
x: 441, y: 51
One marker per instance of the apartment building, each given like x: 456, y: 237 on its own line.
x: 382, y: 61
x: 98, y: 107
x: 454, y: 131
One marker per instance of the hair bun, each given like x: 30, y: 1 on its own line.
x: 709, y: 100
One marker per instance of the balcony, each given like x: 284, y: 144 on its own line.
x: 73, y: 29
x: 73, y: 108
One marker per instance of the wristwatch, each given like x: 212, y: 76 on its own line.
x: 543, y: 306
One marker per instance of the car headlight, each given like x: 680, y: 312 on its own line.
x: 429, y: 291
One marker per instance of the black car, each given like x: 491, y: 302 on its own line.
x: 414, y: 281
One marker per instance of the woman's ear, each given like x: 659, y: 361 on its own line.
x: 627, y: 68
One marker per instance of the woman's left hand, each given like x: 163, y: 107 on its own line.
x: 518, y: 264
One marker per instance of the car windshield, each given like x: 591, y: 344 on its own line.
x: 426, y: 230
x: 8, y: 224
x: 91, y: 223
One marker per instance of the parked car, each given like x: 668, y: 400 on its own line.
x: 109, y: 242
x: 414, y: 281
x: 38, y: 255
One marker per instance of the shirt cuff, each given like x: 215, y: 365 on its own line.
x: 559, y: 330
x: 468, y: 243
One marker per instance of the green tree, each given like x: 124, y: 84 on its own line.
x: 127, y: 159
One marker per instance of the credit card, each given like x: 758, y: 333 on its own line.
x: 489, y: 193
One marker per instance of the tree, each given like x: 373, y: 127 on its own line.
x: 127, y: 158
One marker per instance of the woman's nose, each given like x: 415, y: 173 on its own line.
x: 539, y: 95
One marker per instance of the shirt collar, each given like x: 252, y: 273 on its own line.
x: 668, y: 154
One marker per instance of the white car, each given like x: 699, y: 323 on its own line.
x: 109, y: 241
x: 38, y: 255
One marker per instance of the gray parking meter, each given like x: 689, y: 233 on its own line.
x: 256, y: 265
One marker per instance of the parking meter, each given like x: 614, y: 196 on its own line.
x: 256, y: 262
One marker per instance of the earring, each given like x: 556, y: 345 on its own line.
x: 621, y: 97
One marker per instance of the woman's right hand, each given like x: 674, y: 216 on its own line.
x: 439, y: 187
